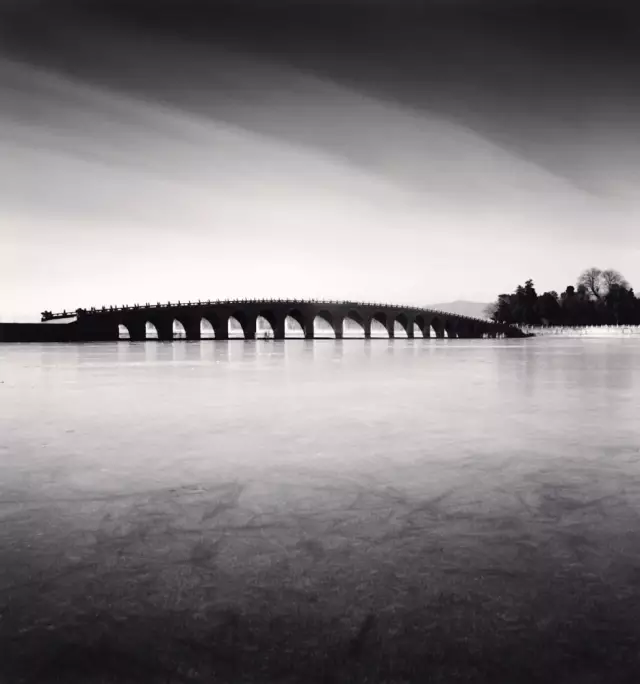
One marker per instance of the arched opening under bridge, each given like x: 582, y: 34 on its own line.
x: 293, y: 325
x: 265, y: 327
x: 353, y: 325
x: 235, y: 327
x: 379, y: 326
x: 417, y: 331
x: 400, y: 326
x: 206, y: 330
x: 179, y: 333
x: 123, y: 332
x: 151, y: 331
x: 323, y: 326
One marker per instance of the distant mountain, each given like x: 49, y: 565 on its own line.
x: 463, y: 308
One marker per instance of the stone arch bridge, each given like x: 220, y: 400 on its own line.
x: 103, y: 324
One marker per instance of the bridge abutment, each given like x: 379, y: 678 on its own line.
x: 96, y: 331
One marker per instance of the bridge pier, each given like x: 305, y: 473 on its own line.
x: 366, y: 324
x: 309, y: 328
x: 438, y: 327
x: 338, y: 327
x: 221, y: 330
x: 249, y: 329
x: 192, y: 329
x: 137, y: 330
x: 391, y: 329
x: 164, y: 328
x: 279, y: 329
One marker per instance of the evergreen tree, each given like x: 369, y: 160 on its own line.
x: 601, y: 298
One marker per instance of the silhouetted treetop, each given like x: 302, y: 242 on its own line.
x: 599, y: 298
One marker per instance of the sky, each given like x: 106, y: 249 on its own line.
x: 404, y: 151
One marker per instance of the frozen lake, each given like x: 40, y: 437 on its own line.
x: 356, y: 511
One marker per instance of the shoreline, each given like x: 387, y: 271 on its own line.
x: 584, y: 331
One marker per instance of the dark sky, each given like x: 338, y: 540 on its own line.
x: 404, y: 151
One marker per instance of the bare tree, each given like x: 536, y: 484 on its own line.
x: 591, y: 279
x: 611, y: 277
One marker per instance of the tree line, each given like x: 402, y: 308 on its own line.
x: 600, y: 297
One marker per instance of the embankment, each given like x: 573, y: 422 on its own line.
x: 584, y: 331
x: 38, y: 332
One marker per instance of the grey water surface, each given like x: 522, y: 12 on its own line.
x: 354, y: 511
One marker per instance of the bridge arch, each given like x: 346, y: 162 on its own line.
x: 401, y: 326
x: 296, y: 325
x: 266, y: 324
x: 378, y: 323
x: 211, y: 325
x: 187, y: 326
x: 129, y: 327
x: 160, y: 327
x: 237, y: 325
x: 323, y: 325
x: 419, y: 323
x: 353, y: 324
x: 437, y: 325
x: 151, y: 331
x: 207, y: 329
